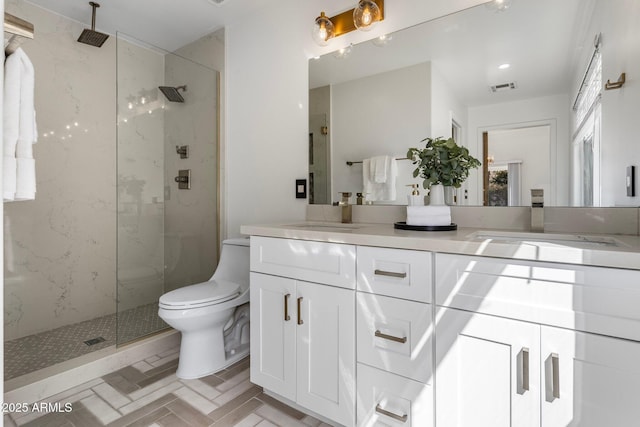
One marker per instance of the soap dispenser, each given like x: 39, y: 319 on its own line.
x: 415, y: 199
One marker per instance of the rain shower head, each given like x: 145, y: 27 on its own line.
x: 172, y: 93
x: 93, y: 37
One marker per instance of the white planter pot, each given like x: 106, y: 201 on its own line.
x: 436, y: 195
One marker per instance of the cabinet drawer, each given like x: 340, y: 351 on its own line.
x: 395, y: 335
x: 395, y: 272
x: 592, y: 299
x: 391, y: 400
x: 319, y: 262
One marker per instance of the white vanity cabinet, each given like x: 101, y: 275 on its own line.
x: 302, y: 331
x: 394, y: 336
x: 494, y: 369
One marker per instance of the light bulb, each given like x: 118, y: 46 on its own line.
x: 323, y: 30
x: 366, y: 14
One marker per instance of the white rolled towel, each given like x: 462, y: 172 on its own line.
x: 25, y: 179
x: 428, y: 215
x: 9, y: 182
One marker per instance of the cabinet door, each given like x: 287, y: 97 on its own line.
x: 589, y: 380
x: 326, y: 351
x: 273, y: 333
x: 487, y: 371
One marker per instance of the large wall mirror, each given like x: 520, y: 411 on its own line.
x: 523, y: 89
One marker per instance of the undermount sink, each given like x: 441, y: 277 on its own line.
x: 552, y: 238
x: 325, y: 226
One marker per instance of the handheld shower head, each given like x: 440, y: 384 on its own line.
x: 93, y: 37
x: 172, y: 94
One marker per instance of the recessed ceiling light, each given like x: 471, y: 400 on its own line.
x: 504, y: 66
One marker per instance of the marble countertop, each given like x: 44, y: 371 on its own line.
x: 619, y: 251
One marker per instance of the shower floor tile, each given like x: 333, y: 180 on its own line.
x: 158, y: 398
x: 38, y: 351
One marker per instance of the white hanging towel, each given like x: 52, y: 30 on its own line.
x: 379, y: 178
x: 20, y: 130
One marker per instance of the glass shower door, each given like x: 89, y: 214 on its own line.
x: 167, y: 236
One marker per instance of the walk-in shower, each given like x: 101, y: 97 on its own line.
x: 109, y: 232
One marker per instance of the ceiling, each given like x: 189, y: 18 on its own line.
x: 168, y: 24
x: 536, y: 37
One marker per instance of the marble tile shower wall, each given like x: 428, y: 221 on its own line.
x: 191, y: 251
x: 60, y: 250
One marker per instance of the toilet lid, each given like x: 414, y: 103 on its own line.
x: 200, y: 295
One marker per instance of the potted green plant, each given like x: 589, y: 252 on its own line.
x: 441, y: 163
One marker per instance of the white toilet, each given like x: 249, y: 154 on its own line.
x: 213, y: 316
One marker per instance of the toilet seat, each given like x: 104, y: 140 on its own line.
x: 200, y: 295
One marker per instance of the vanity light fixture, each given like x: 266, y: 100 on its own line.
x: 362, y: 17
x: 323, y: 30
x: 366, y: 14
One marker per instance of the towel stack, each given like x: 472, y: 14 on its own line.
x: 428, y: 215
x: 20, y: 132
x: 379, y: 178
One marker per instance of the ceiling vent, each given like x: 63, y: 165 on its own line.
x: 503, y: 87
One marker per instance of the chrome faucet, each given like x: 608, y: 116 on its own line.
x: 346, y: 207
x: 537, y: 210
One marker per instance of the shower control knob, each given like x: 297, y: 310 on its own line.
x: 183, y: 151
x: 183, y: 179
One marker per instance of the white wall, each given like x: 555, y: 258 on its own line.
x: 394, y: 116
x: 619, y: 23
x: 267, y: 93
x: 445, y: 106
x: 550, y: 110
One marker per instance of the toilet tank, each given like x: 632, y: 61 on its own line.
x: 234, y: 262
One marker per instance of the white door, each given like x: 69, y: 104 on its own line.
x: 326, y: 351
x: 487, y: 371
x: 273, y: 333
x: 589, y: 380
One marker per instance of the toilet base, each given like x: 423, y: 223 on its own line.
x: 222, y: 343
x: 187, y: 370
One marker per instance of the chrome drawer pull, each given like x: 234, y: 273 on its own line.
x: 286, y: 308
x: 390, y: 274
x: 555, y: 374
x: 402, y: 418
x: 391, y: 337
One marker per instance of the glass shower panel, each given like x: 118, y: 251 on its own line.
x: 167, y: 237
